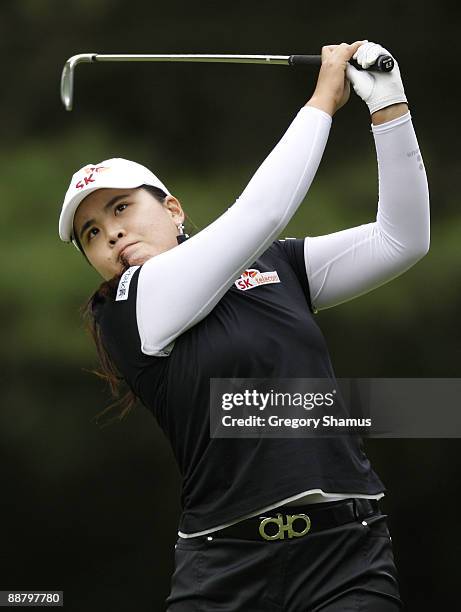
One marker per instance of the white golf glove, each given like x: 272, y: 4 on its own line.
x: 377, y: 89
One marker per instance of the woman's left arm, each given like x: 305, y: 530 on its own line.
x: 349, y: 263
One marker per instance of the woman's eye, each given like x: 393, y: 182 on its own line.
x: 118, y: 208
x: 90, y: 234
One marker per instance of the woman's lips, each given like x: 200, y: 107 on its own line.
x: 125, y: 253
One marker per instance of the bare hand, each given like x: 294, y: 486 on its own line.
x: 333, y: 88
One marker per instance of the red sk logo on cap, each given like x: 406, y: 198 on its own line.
x: 90, y: 170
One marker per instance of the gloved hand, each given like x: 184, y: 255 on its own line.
x: 377, y: 89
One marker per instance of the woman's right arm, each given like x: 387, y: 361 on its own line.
x: 179, y: 287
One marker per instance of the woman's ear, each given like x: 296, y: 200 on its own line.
x: 174, y: 208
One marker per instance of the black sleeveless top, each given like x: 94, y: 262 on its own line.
x: 265, y: 332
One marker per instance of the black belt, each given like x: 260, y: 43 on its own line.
x: 287, y: 522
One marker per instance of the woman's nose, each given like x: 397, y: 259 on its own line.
x: 114, y: 236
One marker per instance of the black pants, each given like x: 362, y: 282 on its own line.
x: 342, y: 569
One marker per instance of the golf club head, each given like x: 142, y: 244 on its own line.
x: 67, y: 77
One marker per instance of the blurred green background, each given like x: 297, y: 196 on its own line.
x: 94, y: 512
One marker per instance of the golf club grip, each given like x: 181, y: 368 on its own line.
x: 384, y: 63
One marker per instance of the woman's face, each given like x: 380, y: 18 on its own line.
x: 108, y: 220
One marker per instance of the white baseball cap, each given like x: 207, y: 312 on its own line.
x: 114, y: 173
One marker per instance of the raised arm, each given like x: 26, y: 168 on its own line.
x: 179, y: 287
x: 349, y: 263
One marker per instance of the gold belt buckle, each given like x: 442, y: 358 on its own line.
x: 284, y: 528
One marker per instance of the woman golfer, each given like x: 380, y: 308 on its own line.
x: 267, y: 524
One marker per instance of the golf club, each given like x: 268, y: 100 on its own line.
x: 384, y: 63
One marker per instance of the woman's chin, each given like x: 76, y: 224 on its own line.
x: 137, y: 258
x: 138, y: 261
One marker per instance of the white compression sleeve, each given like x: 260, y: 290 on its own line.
x: 349, y: 263
x: 178, y: 288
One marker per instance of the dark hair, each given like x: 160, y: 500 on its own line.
x: 108, y: 370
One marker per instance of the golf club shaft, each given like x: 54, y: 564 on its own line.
x: 383, y: 63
